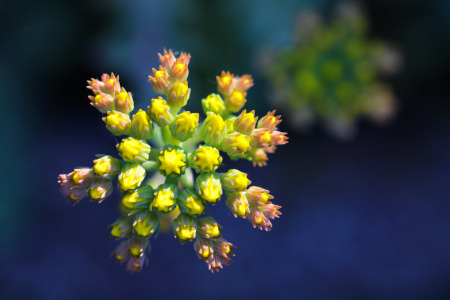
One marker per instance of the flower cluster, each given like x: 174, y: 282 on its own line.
x: 331, y: 73
x: 172, y: 144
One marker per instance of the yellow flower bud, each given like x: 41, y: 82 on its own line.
x: 257, y: 195
x: 230, y: 124
x: 190, y: 202
x: 118, y: 123
x: 213, y: 103
x: 100, y: 189
x: 160, y: 80
x: 141, y: 126
x: 238, y: 204
x: 107, y: 167
x: 208, y: 228
x: 165, y: 198
x: 184, y: 126
x: 209, y: 187
x: 245, y: 122
x: 172, y: 160
x: 236, y: 144
x: 235, y: 101
x: 178, y: 94
x: 235, y: 181
x: 124, y: 102
x: 213, y: 130
x: 146, y: 223
x: 121, y: 227
x: 133, y: 150
x: 131, y: 176
x: 102, y: 101
x: 225, y: 83
x: 134, y: 198
x: 185, y: 227
x: 269, y: 121
x: 205, y: 159
x: 160, y: 113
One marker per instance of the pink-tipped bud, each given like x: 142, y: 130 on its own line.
x: 102, y: 101
x: 261, y: 138
x: 167, y: 60
x: 101, y: 188
x: 112, y: 85
x: 244, y: 82
x: 160, y: 80
x: 75, y: 186
x: 96, y: 85
x: 259, y: 157
x: 245, y: 122
x: 257, y: 196
x: 269, y: 121
x: 124, y: 102
x: 238, y: 204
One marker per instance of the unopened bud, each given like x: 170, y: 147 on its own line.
x: 238, y: 204
x: 225, y: 83
x: 208, y: 228
x: 138, y: 197
x: 107, y: 167
x: 172, y: 160
x: 184, y: 126
x: 205, y: 159
x: 213, y: 130
x: 133, y: 150
x: 100, y: 189
x: 190, y: 202
x: 124, y: 102
x: 236, y: 144
x: 159, y: 112
x: 122, y: 227
x: 131, y: 176
x: 235, y: 181
x: 178, y: 94
x: 209, y: 187
x: 235, y: 101
x: 141, y: 126
x: 146, y: 223
x: 160, y: 80
x: 213, y: 103
x: 118, y: 123
x: 245, y: 122
x: 103, y: 102
x: 165, y: 198
x: 185, y: 227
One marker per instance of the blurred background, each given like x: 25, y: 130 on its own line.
x: 364, y: 218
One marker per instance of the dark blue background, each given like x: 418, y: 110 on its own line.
x: 366, y: 219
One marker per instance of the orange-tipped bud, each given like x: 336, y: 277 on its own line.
x: 225, y: 83
x: 160, y: 80
x: 167, y: 59
x: 244, y: 82
x: 269, y: 121
x: 179, y: 70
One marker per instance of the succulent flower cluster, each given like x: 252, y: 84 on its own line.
x: 331, y: 73
x: 170, y: 143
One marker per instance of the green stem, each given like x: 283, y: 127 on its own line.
x: 172, y: 180
x: 187, y: 179
x: 168, y: 138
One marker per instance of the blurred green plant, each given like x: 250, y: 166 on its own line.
x: 331, y: 73
x: 165, y: 141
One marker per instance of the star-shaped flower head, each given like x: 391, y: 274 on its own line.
x: 172, y: 160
